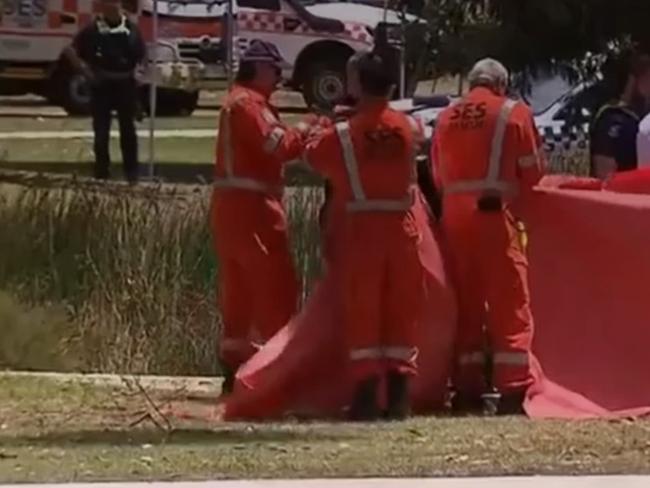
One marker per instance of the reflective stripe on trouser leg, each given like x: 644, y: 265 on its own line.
x: 395, y: 352
x: 469, y: 375
x: 361, y: 293
x: 402, y: 303
x: 510, y: 321
x: 376, y: 360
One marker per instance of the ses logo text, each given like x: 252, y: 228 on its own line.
x: 23, y: 8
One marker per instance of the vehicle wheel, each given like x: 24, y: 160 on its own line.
x: 172, y: 103
x: 324, y: 85
x: 188, y: 103
x: 74, y: 92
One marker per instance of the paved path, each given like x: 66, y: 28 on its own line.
x: 535, y: 482
x: 86, y: 134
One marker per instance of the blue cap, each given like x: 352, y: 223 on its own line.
x: 264, y: 52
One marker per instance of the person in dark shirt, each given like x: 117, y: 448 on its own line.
x: 107, y: 52
x: 615, y: 127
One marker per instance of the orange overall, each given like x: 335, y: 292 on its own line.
x: 369, y: 161
x: 258, y: 287
x: 485, y: 153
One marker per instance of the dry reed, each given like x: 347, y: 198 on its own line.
x: 134, y: 273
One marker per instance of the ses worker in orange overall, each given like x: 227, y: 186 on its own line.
x: 486, y: 154
x: 258, y: 286
x: 369, y: 160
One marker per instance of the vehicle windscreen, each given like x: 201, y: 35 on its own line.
x: 543, y: 92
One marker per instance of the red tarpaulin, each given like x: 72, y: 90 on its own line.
x: 590, y: 275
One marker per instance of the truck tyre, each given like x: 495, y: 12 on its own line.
x: 324, y: 85
x: 172, y: 103
x: 74, y: 94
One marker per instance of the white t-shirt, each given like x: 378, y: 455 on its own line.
x: 643, y: 143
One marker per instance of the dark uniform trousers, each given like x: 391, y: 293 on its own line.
x: 121, y: 96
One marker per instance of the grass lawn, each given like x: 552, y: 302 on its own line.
x: 207, y: 120
x: 168, y: 150
x: 50, y: 432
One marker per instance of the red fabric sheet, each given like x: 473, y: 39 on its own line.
x: 590, y: 275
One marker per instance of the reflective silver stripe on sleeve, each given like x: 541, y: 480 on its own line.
x: 269, y: 117
x: 230, y: 181
x: 351, y: 165
x: 273, y: 140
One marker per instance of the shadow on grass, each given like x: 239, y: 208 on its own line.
x: 138, y: 437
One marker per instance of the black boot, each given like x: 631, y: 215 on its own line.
x: 228, y: 384
x: 491, y: 403
x: 466, y: 404
x: 512, y: 403
x: 365, y: 406
x: 399, y: 407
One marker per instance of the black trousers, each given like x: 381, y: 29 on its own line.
x: 119, y: 96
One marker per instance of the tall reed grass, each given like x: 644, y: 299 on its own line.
x: 134, y: 273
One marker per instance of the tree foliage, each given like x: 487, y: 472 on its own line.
x: 532, y: 33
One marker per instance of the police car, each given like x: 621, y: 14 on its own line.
x: 562, y: 115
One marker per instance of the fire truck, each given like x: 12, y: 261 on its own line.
x: 191, y: 49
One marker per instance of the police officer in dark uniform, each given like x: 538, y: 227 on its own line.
x: 107, y: 52
x: 615, y: 127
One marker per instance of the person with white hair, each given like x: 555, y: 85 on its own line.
x: 490, y: 73
x: 486, y: 153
